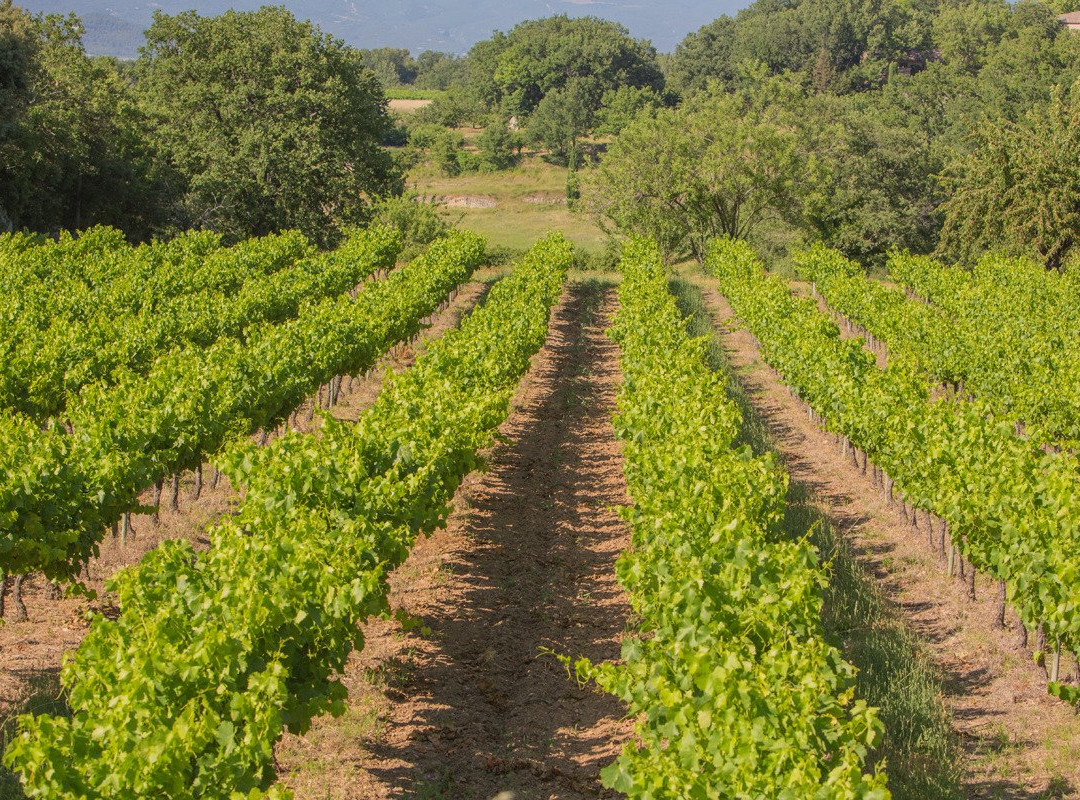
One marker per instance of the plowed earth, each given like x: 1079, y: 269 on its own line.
x: 1017, y: 741
x: 31, y: 651
x: 475, y: 706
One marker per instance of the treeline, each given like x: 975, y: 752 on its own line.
x: 934, y: 125
x: 246, y: 123
x: 947, y: 126
x: 431, y: 69
x: 555, y: 81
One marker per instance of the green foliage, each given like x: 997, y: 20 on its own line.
x: 704, y: 57
x: 875, y: 186
x: 967, y: 33
x: 1008, y: 505
x: 267, y: 323
x: 448, y: 152
x: 562, y: 117
x: 281, y: 127
x: 619, y: 107
x: 605, y: 259
x: 1016, y: 189
x: 424, y: 135
x: 836, y: 44
x: 19, y: 46
x: 498, y: 147
x: 393, y: 66
x: 71, y: 151
x: 902, y: 89
x: 438, y: 71
x: 736, y: 692
x: 573, y: 189
x: 396, y: 134
x: 1007, y: 331
x: 448, y: 110
x: 896, y: 673
x: 718, y: 167
x: 583, y: 58
x: 216, y: 653
x: 431, y: 71
x: 419, y: 223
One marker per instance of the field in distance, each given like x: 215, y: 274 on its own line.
x: 512, y: 208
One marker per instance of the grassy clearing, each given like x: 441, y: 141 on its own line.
x: 895, y: 673
x: 530, y: 200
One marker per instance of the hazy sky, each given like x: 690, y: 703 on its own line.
x: 115, y: 26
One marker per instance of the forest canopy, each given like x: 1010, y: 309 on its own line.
x: 910, y: 121
x: 245, y: 123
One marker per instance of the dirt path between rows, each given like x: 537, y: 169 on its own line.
x: 31, y: 651
x: 472, y: 709
x: 1017, y: 741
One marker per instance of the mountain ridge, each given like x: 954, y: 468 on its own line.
x: 115, y: 27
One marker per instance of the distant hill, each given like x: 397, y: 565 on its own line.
x: 114, y: 27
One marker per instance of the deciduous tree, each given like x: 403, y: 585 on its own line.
x: 1018, y: 188
x: 721, y: 166
x: 268, y: 123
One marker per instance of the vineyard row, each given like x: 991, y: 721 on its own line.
x: 214, y: 654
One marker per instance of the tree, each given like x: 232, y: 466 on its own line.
x: 448, y: 152
x: 720, y: 166
x: 619, y: 107
x: 419, y: 221
x: 435, y: 70
x: 1035, y: 53
x: 18, y: 51
x: 843, y: 44
x: 498, y: 146
x: 875, y: 186
x: 966, y: 34
x: 516, y: 71
x: 704, y: 56
x: 1017, y: 190
x: 393, y: 66
x: 267, y: 123
x: 70, y: 137
x: 562, y: 117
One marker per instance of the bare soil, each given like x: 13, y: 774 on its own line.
x: 467, y: 201
x: 1017, y: 741
x: 472, y: 705
x: 545, y: 198
x: 31, y: 651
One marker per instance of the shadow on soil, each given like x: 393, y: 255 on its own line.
x: 44, y: 696
x: 499, y: 709
x: 895, y: 675
x: 43, y: 692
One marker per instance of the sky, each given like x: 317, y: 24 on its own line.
x: 114, y: 27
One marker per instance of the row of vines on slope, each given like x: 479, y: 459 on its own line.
x: 738, y: 691
x: 59, y: 491
x: 76, y: 308
x: 1026, y: 370
x: 998, y: 286
x: 153, y: 298
x: 1010, y: 508
x: 185, y: 694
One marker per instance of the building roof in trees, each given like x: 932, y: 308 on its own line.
x: 1071, y: 20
